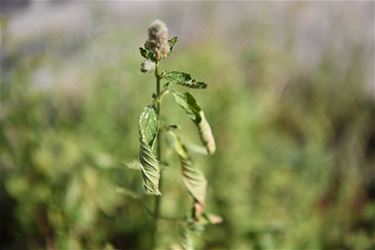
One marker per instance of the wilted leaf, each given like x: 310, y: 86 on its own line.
x: 148, y: 129
x: 192, y: 108
x: 192, y: 177
x: 206, y: 135
x: 183, y: 79
x: 194, y: 180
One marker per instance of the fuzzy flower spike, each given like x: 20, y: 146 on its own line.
x: 158, y: 39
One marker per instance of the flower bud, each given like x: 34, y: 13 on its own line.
x: 158, y: 39
x: 147, y: 66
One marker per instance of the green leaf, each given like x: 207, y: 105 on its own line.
x: 177, y: 145
x: 148, y: 128
x: 172, y: 42
x: 183, y: 79
x: 188, y: 103
x: 193, y: 179
x: 143, y: 52
x: 148, y: 54
x: 149, y: 125
x: 192, y: 108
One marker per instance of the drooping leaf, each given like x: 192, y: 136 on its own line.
x: 183, y: 79
x: 172, y: 42
x: 189, y: 104
x: 192, y: 108
x: 148, y: 128
x: 206, y: 135
x: 194, y: 180
x: 192, y: 177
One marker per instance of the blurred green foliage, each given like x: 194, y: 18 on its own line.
x: 294, y: 167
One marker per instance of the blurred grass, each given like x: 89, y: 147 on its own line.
x: 294, y: 167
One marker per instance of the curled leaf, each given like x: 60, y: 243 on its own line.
x: 206, y: 134
x: 192, y: 108
x: 150, y: 169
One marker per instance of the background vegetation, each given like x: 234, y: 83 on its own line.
x: 290, y: 101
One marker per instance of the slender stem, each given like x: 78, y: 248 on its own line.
x: 158, y: 198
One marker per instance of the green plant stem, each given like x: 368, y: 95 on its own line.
x: 158, y: 198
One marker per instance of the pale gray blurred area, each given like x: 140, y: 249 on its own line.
x: 308, y: 30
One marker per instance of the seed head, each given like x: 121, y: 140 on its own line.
x: 158, y: 39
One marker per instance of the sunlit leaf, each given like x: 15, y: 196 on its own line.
x: 183, y: 79
x: 148, y: 129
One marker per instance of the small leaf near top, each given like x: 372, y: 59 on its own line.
x: 143, y: 52
x: 172, y: 42
x: 183, y: 79
x: 147, y: 54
